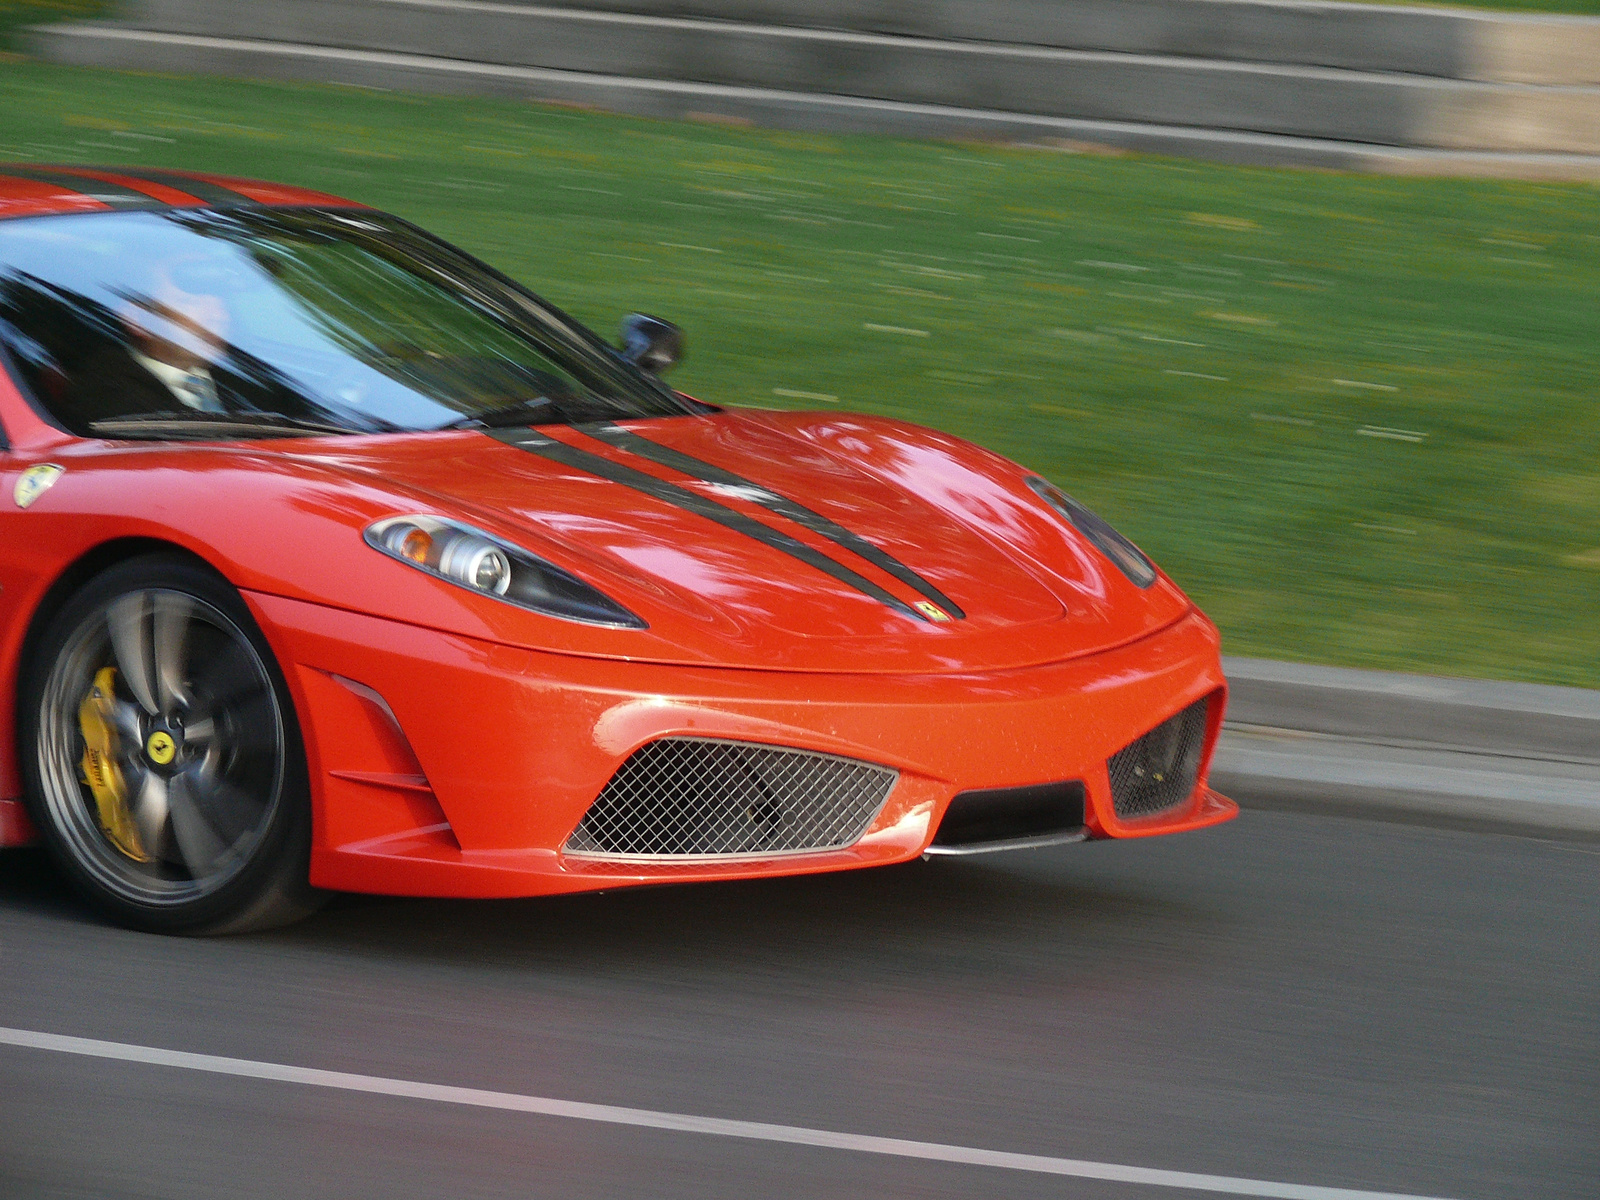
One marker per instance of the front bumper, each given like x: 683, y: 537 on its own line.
x: 512, y: 746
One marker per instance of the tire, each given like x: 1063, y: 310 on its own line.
x: 160, y: 754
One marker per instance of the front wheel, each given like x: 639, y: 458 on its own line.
x: 161, y: 756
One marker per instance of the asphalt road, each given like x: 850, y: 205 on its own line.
x: 1290, y: 998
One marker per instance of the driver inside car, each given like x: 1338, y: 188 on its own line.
x: 178, y: 333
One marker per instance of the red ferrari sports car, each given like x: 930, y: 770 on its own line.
x: 333, y: 559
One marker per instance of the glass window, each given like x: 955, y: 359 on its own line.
x: 184, y: 323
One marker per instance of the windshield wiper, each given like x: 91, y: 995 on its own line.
x: 193, y: 423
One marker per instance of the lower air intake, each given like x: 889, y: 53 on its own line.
x: 1007, y: 816
x: 1159, y: 770
x: 701, y: 798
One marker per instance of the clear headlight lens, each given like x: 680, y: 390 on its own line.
x: 484, y: 563
x: 1130, y: 560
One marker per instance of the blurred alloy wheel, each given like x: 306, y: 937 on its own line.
x: 163, y: 761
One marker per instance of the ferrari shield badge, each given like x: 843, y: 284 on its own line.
x: 35, y: 482
x: 932, y: 611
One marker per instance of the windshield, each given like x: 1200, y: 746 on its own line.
x: 261, y: 322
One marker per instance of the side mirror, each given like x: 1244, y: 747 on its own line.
x: 650, y: 343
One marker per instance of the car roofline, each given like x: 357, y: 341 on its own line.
x: 46, y: 189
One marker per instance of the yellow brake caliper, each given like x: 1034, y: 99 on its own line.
x: 100, y: 769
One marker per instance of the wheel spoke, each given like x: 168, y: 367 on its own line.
x: 197, y: 840
x: 253, y: 728
x: 233, y: 812
x: 125, y: 717
x: 150, y: 811
x: 172, y: 612
x: 127, y: 619
x: 226, y: 679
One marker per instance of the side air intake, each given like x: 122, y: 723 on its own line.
x: 1159, y: 770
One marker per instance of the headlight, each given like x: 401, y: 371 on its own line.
x: 483, y: 563
x: 1129, y: 558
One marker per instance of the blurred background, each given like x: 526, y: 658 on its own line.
x: 1305, y: 298
x: 1349, y: 403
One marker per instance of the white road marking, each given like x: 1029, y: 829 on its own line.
x: 645, y: 1118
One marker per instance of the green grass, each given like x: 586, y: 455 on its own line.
x: 1357, y: 417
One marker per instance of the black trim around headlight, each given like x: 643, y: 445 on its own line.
x: 491, y: 566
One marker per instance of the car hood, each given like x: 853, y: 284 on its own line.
x: 768, y: 540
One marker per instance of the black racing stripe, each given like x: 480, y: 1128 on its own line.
x: 665, y: 456
x: 213, y: 194
x: 113, y: 194
x: 671, y: 493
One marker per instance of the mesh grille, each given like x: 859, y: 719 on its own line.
x: 1158, y: 771
x: 682, y: 797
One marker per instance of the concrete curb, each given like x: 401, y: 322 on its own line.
x: 1451, y: 43
x: 1384, y: 107
x: 1521, y: 758
x: 121, y: 48
x: 1516, y: 719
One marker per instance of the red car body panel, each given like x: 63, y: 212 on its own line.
x: 455, y: 741
x: 23, y: 197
